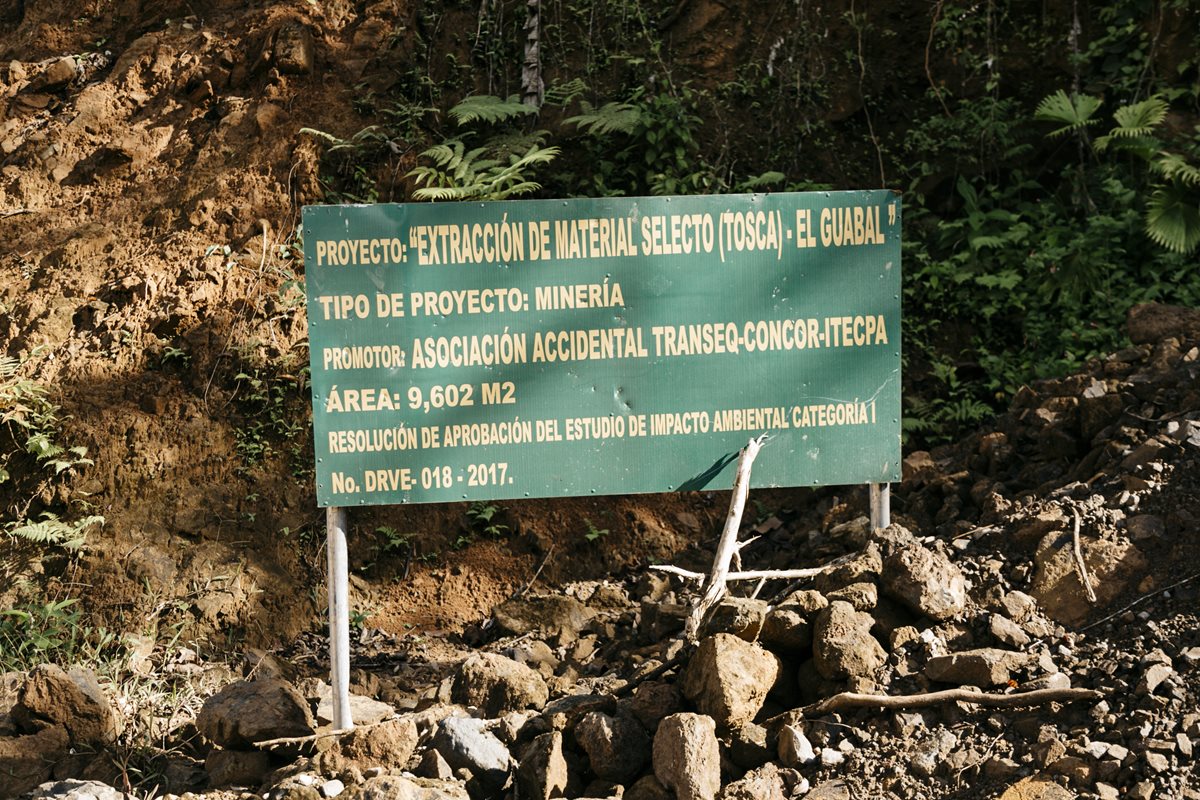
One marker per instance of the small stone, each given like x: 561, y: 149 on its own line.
x: 294, y: 49
x: 1038, y: 787
x: 617, y: 746
x: 57, y: 75
x: 831, y: 758
x: 498, y: 685
x: 863, y: 596
x: 843, y: 645
x: 1157, y: 762
x: 433, y: 766
x: 1106, y: 792
x: 1118, y: 752
x: 741, y: 616
x: 1153, y: 677
x: 903, y: 636
x: 907, y: 723
x: 71, y: 698
x: 542, y: 773
x: 1142, y: 791
x: 807, y: 601
x: 925, y: 581
x: 236, y: 767
x: 464, y: 743
x: 1007, y: 632
x: 246, y: 712
x: 983, y: 667
x: 332, y: 788
x: 795, y: 750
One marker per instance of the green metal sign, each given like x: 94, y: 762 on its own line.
x: 571, y: 347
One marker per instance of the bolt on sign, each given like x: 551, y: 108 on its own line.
x: 549, y: 348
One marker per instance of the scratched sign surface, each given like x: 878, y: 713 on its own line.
x: 575, y: 347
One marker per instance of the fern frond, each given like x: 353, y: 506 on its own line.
x: 1139, y: 119
x: 489, y: 108
x: 761, y: 181
x: 1071, y: 113
x: 318, y: 134
x: 561, y: 94
x: 444, y: 153
x: 1173, y: 219
x: 439, y: 193
x: 508, y: 144
x: 1176, y: 167
x: 611, y: 117
x: 53, y: 531
x: 517, y: 190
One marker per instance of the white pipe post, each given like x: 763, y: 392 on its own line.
x: 339, y: 617
x: 881, y: 505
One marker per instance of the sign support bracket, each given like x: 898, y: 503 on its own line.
x: 339, y: 617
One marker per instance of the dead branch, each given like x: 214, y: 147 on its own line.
x: 1139, y: 601
x: 749, y: 575
x: 1080, y: 566
x: 668, y: 665
x: 338, y: 733
x: 714, y: 588
x: 848, y: 700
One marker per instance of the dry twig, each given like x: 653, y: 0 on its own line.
x: 338, y: 733
x: 1080, y: 566
x: 714, y: 588
x: 848, y: 700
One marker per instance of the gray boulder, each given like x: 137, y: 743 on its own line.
x: 76, y: 790
x: 466, y: 744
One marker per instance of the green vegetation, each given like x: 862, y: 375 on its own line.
x: 1047, y: 189
x: 593, y: 533
x: 52, y: 631
x: 36, y: 461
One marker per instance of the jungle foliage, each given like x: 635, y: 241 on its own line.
x: 1049, y: 158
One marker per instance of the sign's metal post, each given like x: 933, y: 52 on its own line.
x: 881, y: 505
x: 339, y: 618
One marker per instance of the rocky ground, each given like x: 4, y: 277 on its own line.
x: 590, y: 691
x: 152, y: 168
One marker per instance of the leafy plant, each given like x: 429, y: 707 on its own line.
x: 483, y: 519
x: 50, y: 530
x: 594, y: 533
x: 489, y: 109
x: 490, y: 172
x: 51, y: 632
x: 1172, y: 214
x: 33, y: 422
x: 269, y: 404
x: 1073, y: 113
x: 394, y: 540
